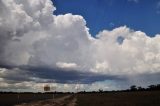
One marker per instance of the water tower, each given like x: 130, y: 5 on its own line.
x: 47, y: 88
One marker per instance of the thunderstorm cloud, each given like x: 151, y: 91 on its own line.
x: 37, y: 47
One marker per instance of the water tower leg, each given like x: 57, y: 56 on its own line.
x: 53, y: 97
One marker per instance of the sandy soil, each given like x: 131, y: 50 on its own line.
x: 69, y: 100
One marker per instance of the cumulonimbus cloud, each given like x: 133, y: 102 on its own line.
x: 31, y: 35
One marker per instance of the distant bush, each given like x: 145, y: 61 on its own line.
x: 133, y: 88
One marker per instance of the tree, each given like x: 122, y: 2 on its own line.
x: 100, y: 90
x: 152, y: 87
x: 133, y: 88
x: 140, y: 88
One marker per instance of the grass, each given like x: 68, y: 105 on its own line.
x: 10, y: 99
x: 138, y: 98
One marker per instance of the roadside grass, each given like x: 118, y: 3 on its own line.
x: 14, y: 99
x: 136, y: 98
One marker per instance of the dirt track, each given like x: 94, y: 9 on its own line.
x: 69, y: 100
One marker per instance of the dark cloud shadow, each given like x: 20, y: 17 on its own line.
x: 70, y: 76
x: 58, y: 75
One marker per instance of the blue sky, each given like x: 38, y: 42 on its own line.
x: 108, y: 14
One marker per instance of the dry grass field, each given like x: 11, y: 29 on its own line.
x: 130, y: 98
x: 137, y: 98
x: 13, y: 99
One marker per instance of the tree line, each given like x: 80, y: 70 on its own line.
x: 149, y: 88
x: 132, y: 88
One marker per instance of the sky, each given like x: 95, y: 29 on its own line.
x: 143, y: 15
x: 79, y: 44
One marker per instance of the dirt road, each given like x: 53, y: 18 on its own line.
x: 69, y: 100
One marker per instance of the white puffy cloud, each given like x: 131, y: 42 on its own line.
x: 31, y: 35
x: 66, y: 65
x: 18, y: 19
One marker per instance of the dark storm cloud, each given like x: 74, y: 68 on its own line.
x: 27, y: 73
x: 70, y: 76
x: 59, y: 75
x: 23, y: 74
x: 14, y: 75
x: 76, y: 76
